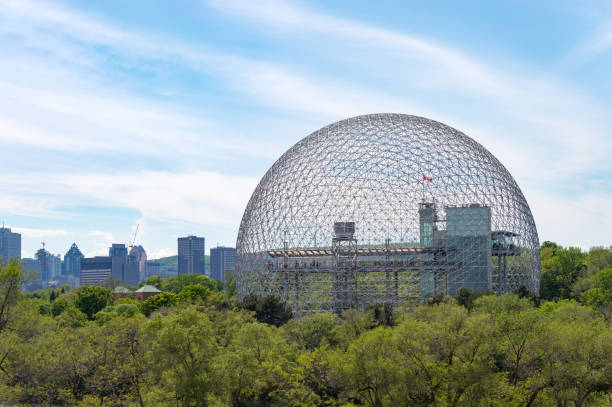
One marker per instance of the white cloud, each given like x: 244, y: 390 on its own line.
x: 200, y: 196
x: 164, y: 253
x: 539, y: 109
x: 581, y: 221
x: 599, y: 42
x: 102, y: 241
x: 28, y: 232
x: 108, y: 237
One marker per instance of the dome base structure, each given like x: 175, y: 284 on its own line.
x: 385, y: 208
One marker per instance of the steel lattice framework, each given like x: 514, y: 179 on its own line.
x: 385, y: 208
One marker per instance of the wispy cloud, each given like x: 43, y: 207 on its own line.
x: 101, y: 242
x: 104, y: 235
x: 164, y: 253
x: 599, y: 42
x: 201, y: 197
x: 541, y: 109
x: 31, y: 233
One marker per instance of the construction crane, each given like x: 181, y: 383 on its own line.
x: 134, y: 238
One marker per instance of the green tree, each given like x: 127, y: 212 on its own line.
x: 599, y: 297
x: 12, y: 277
x: 367, y: 370
x: 155, y: 281
x: 561, y: 268
x: 193, y: 292
x: 156, y: 302
x: 181, y: 356
x: 599, y: 258
x: 382, y: 314
x: 269, y: 309
x: 92, y: 299
x: 466, y: 297
x: 577, y: 367
x: 256, y: 369
x: 71, y: 317
x: 176, y: 284
x: 58, y: 306
x: 313, y: 331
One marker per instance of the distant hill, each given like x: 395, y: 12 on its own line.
x: 172, y: 261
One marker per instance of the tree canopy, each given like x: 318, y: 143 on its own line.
x: 194, y: 347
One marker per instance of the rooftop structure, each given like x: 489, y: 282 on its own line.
x: 385, y: 208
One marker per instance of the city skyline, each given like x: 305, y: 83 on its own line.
x: 116, y: 115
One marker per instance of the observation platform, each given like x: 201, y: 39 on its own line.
x: 377, y: 251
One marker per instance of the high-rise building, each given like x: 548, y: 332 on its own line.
x: 139, y: 255
x: 117, y: 250
x: 96, y: 270
x: 71, y: 269
x: 44, y: 265
x: 124, y: 268
x: 10, y: 244
x: 191, y: 258
x: 55, y: 266
x: 222, y: 259
x: 49, y: 265
x: 153, y: 268
x: 32, y: 265
x: 156, y: 268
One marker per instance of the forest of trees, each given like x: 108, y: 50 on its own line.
x: 195, y: 345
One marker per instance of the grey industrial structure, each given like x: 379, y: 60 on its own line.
x: 385, y: 208
x: 10, y: 244
x: 191, y: 255
x: 222, y: 259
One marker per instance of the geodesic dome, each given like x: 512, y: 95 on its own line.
x: 385, y: 208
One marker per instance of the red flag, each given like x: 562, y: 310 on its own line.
x: 430, y: 180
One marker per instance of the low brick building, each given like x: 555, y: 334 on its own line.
x: 146, y: 291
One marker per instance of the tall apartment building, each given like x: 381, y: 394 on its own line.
x: 10, y: 244
x: 222, y: 259
x: 55, y: 266
x: 191, y: 255
x: 44, y: 264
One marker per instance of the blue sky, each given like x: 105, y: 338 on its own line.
x: 167, y: 114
